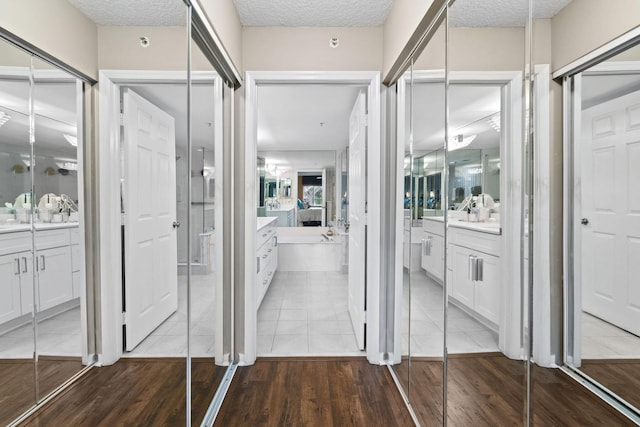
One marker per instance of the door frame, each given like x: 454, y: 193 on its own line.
x: 372, y: 80
x: 109, y: 242
x: 510, y: 334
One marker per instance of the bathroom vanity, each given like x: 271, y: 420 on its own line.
x: 57, y: 264
x: 285, y: 215
x: 266, y: 255
x: 473, y: 264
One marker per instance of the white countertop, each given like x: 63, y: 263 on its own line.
x: 484, y: 227
x: 280, y: 209
x: 41, y: 226
x: 263, y: 221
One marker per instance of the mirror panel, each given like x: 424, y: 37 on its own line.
x: 59, y: 254
x: 17, y: 368
x: 485, y: 130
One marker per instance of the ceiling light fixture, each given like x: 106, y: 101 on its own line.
x: 4, y: 118
x: 334, y: 42
x: 71, y: 139
x: 494, y: 122
x: 460, y: 141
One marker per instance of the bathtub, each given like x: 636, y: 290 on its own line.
x: 306, y: 249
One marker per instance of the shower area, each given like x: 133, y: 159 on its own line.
x: 202, y: 210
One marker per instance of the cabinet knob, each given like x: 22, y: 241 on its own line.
x: 584, y: 221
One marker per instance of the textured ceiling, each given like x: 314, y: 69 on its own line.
x: 137, y: 12
x: 500, y: 13
x: 313, y: 13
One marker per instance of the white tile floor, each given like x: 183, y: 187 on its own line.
x: 57, y: 336
x: 170, y: 338
x: 602, y: 340
x: 465, y: 334
x: 306, y: 314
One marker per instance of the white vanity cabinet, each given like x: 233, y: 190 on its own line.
x: 286, y: 216
x: 432, y: 248
x: 266, y: 255
x: 16, y: 277
x: 474, y: 269
x: 53, y: 264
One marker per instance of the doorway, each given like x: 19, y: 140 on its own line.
x: 309, y: 298
x: 189, y: 325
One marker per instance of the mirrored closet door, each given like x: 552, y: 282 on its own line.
x: 44, y: 323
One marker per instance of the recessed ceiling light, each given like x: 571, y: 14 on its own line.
x: 459, y: 141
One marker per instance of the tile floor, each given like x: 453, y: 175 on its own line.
x: 57, y: 336
x: 170, y: 338
x: 602, y: 340
x: 465, y: 334
x: 60, y: 335
x: 306, y: 314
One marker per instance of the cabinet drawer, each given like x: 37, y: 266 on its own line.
x: 483, y: 242
x: 433, y: 227
x: 52, y: 239
x: 11, y: 243
x: 264, y: 234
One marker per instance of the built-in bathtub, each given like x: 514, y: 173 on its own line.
x: 310, y: 249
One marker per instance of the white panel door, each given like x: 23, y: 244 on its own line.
x: 357, y: 218
x: 10, y: 305
x: 610, y: 174
x: 151, y: 283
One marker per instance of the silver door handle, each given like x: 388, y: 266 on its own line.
x: 17, y: 270
x: 473, y: 268
x: 480, y: 270
x: 44, y: 267
x: 25, y: 268
x: 176, y: 224
x: 258, y: 266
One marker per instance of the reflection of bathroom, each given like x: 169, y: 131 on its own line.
x: 169, y: 338
x: 304, y: 308
x: 473, y: 232
x: 39, y: 194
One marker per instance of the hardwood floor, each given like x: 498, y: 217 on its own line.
x: 17, y: 382
x: 620, y: 376
x: 313, y: 392
x: 134, y: 392
x: 488, y: 390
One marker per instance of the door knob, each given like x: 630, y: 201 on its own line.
x: 585, y: 221
x: 176, y: 224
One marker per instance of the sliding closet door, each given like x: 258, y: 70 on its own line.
x: 485, y: 321
x: 17, y: 369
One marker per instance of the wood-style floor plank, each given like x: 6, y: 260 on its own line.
x: 313, y: 392
x: 17, y: 383
x: 620, y: 376
x: 489, y: 390
x: 134, y: 392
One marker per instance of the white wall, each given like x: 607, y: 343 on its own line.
x: 403, y: 18
x: 307, y: 48
x: 55, y: 27
x: 584, y: 25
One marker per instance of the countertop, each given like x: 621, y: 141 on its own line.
x: 280, y: 209
x: 483, y: 227
x: 263, y: 221
x: 41, y: 226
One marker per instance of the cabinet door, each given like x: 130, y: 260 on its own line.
x: 9, y: 287
x: 487, y: 292
x: 26, y: 282
x: 462, y: 284
x: 435, y: 259
x: 54, y: 275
